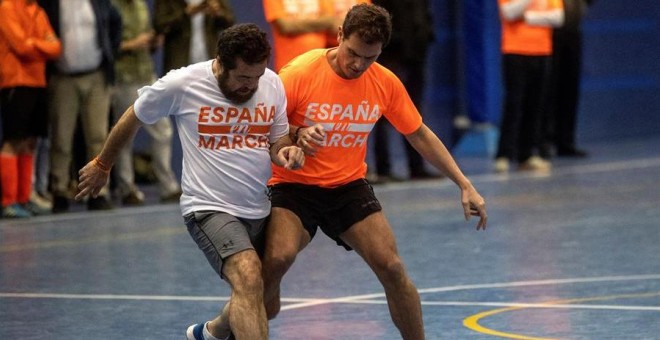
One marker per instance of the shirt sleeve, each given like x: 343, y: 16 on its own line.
x: 160, y: 99
x: 401, y: 111
x: 280, y: 126
x: 15, y: 34
x: 48, y: 43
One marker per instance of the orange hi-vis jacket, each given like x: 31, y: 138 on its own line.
x: 519, y: 37
x: 27, y: 41
x: 288, y: 47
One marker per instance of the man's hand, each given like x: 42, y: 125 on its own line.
x: 311, y: 138
x: 290, y: 158
x: 474, y: 205
x: 91, y: 179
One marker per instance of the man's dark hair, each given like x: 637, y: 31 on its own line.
x: 245, y: 41
x: 373, y: 24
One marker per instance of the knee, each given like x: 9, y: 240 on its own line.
x: 248, y: 280
x: 277, y: 264
x: 390, y: 269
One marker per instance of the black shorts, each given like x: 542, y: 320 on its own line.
x: 334, y: 210
x: 24, y: 112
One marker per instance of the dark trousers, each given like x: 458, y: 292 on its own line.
x: 564, y: 90
x: 526, y: 81
x: 412, y: 77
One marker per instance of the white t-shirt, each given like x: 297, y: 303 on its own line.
x: 226, y: 157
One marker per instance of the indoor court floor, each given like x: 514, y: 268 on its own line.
x: 571, y: 254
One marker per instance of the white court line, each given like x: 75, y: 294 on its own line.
x: 362, y: 298
x: 130, y: 297
x: 519, y: 305
x: 297, y: 303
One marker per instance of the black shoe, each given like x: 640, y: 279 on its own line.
x: 60, y: 204
x: 422, y: 175
x: 572, y: 152
x: 133, y: 199
x: 546, y: 151
x: 99, y: 203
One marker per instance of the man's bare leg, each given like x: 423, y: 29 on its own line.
x: 246, y: 313
x: 373, y: 240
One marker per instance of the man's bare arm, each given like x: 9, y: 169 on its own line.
x: 94, y: 175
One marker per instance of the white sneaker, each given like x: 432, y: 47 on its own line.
x: 195, y: 332
x: 535, y: 163
x: 40, y: 201
x: 501, y: 164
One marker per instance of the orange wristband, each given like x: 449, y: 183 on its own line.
x: 101, y: 166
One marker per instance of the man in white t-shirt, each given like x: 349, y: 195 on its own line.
x: 231, y: 117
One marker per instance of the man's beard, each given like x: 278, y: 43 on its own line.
x: 233, y: 96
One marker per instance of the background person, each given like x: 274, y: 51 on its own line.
x: 27, y: 41
x: 79, y: 88
x: 135, y: 69
x: 298, y: 26
x: 190, y: 29
x: 526, y: 51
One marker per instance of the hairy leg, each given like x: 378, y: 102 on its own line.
x: 373, y: 240
x: 246, y: 313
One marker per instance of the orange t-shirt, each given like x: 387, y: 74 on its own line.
x: 288, y: 47
x: 340, y: 8
x: 521, y: 38
x: 348, y: 110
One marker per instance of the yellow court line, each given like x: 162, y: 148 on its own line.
x: 472, y: 322
x: 96, y: 239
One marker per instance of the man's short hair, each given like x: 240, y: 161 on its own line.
x: 245, y: 41
x: 372, y: 23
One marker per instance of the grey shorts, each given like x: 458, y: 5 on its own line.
x: 220, y: 235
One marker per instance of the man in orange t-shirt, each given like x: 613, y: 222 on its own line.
x: 298, y: 26
x: 526, y: 52
x: 334, y: 98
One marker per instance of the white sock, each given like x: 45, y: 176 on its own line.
x: 208, y: 336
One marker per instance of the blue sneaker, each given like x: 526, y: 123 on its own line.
x: 15, y: 211
x: 195, y: 332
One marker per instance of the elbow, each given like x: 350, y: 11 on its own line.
x: 56, y: 52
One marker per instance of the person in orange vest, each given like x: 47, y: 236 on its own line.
x: 298, y: 26
x: 526, y: 52
x: 27, y: 42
